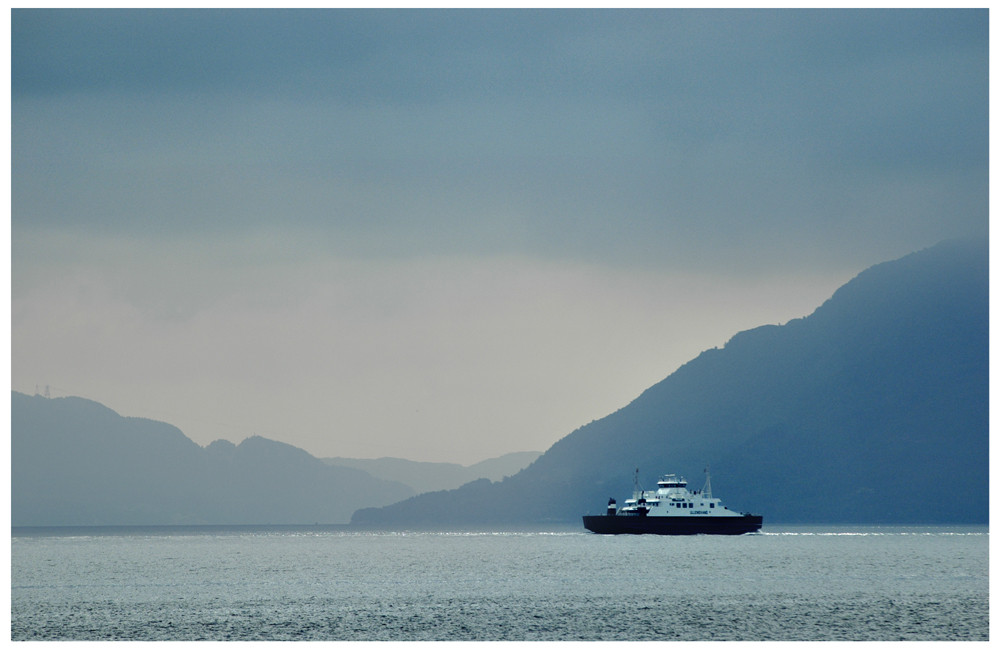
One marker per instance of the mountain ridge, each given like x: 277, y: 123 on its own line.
x: 887, y: 378
x: 75, y: 461
x: 883, y: 386
x: 423, y: 477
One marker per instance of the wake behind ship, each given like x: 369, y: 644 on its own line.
x: 672, y: 509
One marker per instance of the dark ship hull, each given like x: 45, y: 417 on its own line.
x: 613, y: 524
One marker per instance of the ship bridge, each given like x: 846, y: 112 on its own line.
x: 671, y: 481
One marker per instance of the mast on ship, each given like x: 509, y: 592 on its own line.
x: 640, y: 496
x: 707, y: 489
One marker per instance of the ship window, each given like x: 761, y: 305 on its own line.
x: 712, y: 505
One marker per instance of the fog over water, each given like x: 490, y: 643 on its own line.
x: 448, y: 235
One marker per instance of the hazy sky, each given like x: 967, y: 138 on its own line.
x: 448, y: 235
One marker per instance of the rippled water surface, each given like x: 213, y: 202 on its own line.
x: 787, y: 583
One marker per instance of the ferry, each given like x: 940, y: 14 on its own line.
x: 672, y: 509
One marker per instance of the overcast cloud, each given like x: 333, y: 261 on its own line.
x: 447, y: 235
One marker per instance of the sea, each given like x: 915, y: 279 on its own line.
x: 336, y: 583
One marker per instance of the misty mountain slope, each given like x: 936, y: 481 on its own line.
x: 76, y: 462
x: 435, y: 476
x: 496, y: 468
x: 83, y: 462
x: 872, y: 409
